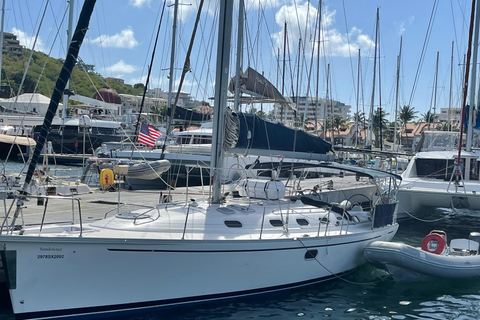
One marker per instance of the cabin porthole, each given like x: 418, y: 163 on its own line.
x: 233, y: 223
x: 311, y: 254
x: 276, y: 223
x: 303, y: 222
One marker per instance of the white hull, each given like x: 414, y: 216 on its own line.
x: 114, y: 267
x: 428, y: 182
x: 431, y: 194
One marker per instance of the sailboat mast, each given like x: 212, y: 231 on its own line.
x: 220, y: 97
x: 69, y: 38
x: 399, y: 58
x: 1, y: 42
x: 283, y: 76
x: 435, y: 90
x: 239, y: 53
x: 372, y: 101
x: 318, y: 62
x: 358, y: 97
x: 380, y: 118
x: 326, y: 106
x: 473, y: 80
x: 170, y: 114
x: 465, y: 82
x: 450, y: 93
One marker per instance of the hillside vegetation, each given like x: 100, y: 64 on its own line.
x: 13, y: 68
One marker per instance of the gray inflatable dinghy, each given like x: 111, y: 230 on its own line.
x: 434, y: 259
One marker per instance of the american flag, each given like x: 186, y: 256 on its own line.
x: 148, y: 135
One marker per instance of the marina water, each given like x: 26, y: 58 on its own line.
x: 366, y: 293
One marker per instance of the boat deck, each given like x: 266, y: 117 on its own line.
x: 97, y: 204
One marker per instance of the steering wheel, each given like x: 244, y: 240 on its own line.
x: 364, y: 207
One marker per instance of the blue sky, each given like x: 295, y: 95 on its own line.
x: 119, y: 44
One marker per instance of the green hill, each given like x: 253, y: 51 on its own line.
x: 13, y: 68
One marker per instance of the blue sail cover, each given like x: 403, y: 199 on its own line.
x: 257, y: 136
x: 476, y: 125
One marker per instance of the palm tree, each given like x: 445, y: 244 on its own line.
x: 429, y: 117
x: 338, y: 123
x: 359, y: 120
x: 303, y: 121
x: 446, y: 126
x: 325, y: 127
x: 406, y: 114
x: 359, y: 117
x: 379, y: 121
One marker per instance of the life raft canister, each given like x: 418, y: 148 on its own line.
x: 106, y: 178
x: 435, y: 242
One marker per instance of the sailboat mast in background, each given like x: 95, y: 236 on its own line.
x: 374, y: 81
x: 399, y: 58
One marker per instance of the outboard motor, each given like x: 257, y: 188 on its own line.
x: 475, y: 236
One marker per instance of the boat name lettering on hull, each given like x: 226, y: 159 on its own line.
x: 50, y: 249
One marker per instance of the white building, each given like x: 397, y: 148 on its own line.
x: 33, y: 103
x: 450, y: 114
x: 184, y: 100
x: 314, y: 110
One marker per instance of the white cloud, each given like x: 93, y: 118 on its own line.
x: 28, y: 41
x: 121, y: 68
x: 140, y: 3
x: 336, y: 43
x: 124, y: 39
x: 401, y: 28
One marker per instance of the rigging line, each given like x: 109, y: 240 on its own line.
x: 290, y: 67
x: 424, y: 47
x: 455, y: 25
x: 56, y: 26
x: 48, y: 55
x: 148, y: 78
x: 349, y: 52
x: 36, y: 84
x: 268, y: 29
x: 31, y: 54
x: 104, y: 20
x: 186, y: 68
x: 310, y: 72
x: 211, y: 46
x: 198, y: 62
x: 298, y: 19
x: 257, y: 38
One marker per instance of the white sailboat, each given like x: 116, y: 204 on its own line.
x: 179, y: 253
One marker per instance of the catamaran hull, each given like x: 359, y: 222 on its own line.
x: 88, y: 277
x: 412, y: 199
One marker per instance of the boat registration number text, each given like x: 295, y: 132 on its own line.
x: 50, y: 256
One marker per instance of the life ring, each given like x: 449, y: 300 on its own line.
x: 106, y: 178
x: 434, y: 242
